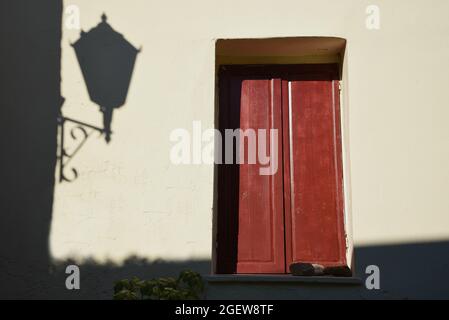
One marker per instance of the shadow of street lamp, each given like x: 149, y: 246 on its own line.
x: 107, y: 61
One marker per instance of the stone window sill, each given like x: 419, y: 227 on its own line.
x: 268, y: 278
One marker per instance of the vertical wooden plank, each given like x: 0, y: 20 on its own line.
x: 316, y: 185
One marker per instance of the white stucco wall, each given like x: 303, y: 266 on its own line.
x: 130, y: 200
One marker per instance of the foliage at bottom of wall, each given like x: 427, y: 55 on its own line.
x: 188, y: 286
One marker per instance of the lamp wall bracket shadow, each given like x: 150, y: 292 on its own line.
x: 106, y: 60
x: 79, y: 134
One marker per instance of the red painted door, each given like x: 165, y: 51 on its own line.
x: 267, y: 221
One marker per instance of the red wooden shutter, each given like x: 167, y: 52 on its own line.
x: 261, y: 221
x: 267, y: 222
x: 250, y: 217
x: 313, y: 181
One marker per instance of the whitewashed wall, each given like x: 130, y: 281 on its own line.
x: 130, y: 200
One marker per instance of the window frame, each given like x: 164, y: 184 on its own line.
x: 333, y: 70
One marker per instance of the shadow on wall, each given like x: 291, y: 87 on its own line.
x: 408, y: 271
x: 30, y: 37
x: 30, y: 104
x: 106, y: 60
x: 96, y: 280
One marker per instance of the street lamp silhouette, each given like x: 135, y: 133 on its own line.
x: 106, y: 60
